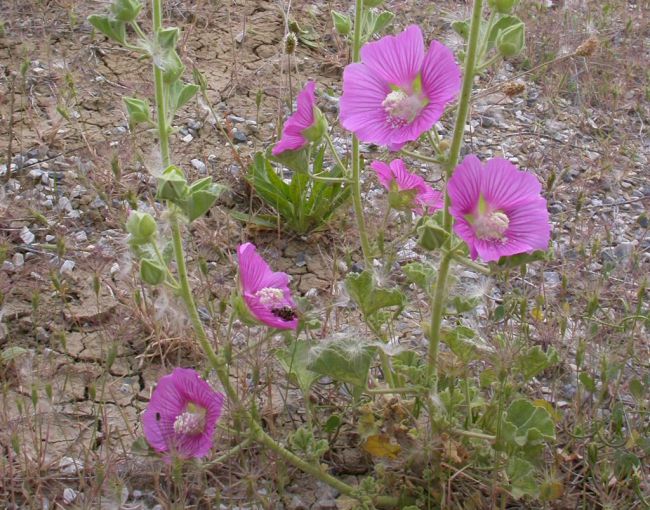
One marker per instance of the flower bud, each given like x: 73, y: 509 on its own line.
x: 513, y: 88
x: 126, y: 10
x: 290, y: 43
x: 317, y: 130
x: 503, y: 6
x: 152, y: 272
x: 141, y: 226
x: 342, y: 23
x: 587, y: 48
x: 172, y: 185
x: 431, y: 235
x: 401, y: 200
x: 510, y: 41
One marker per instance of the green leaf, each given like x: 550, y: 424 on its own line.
x: 297, y: 161
x: 345, y: 360
x: 168, y: 38
x: 460, y: 341
x: 527, y: 425
x: 637, y: 389
x: 260, y: 220
x: 625, y: 464
x: 111, y: 28
x: 422, y: 275
x: 521, y: 474
x: 383, y: 20
x: 461, y: 28
x: 152, y: 272
x: 588, y: 382
x: 332, y: 424
x: 295, y: 359
x: 534, y: 361
x: 342, y: 22
x: 172, y: 185
x: 519, y: 260
x: 200, y: 201
x: 126, y: 10
x: 137, y: 110
x: 11, y: 353
x: 503, y: 23
x: 371, y: 298
x: 464, y: 304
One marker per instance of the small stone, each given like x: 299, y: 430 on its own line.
x: 69, y: 495
x: 81, y: 237
x: 325, y: 504
x: 19, y: 260
x: 49, y: 238
x: 555, y: 208
x: 8, y: 266
x: 27, y: 236
x: 64, y: 204
x: 67, y: 267
x: 98, y: 203
x: 356, y: 268
x: 236, y: 119
x: 35, y: 174
x: 194, y: 124
x: 551, y: 278
x: 45, y: 179
x: 199, y: 166
x: 42, y: 335
x: 239, y: 137
x: 187, y: 138
x: 115, y: 269
x: 78, y: 191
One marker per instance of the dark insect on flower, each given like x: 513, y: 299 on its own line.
x: 157, y: 416
x: 285, y: 313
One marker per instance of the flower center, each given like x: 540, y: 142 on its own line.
x: 402, y: 108
x: 270, y: 296
x: 491, y: 226
x: 189, y: 423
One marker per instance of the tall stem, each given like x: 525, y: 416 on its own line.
x: 163, y: 130
x: 356, y: 162
x: 439, y: 296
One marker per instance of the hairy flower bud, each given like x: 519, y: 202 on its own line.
x: 141, y: 226
x: 290, y: 43
x: 511, y: 40
x: 513, y: 88
x: 587, y: 48
x: 503, y: 6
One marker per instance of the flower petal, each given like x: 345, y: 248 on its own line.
x: 300, y: 120
x: 266, y: 316
x: 396, y: 59
x: 441, y: 75
x: 253, y: 270
x: 503, y: 185
x: 361, y: 106
x: 464, y: 187
x: 384, y: 173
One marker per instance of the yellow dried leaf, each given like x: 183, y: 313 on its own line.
x: 379, y: 445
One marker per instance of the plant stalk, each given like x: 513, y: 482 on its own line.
x: 163, y: 130
x: 439, y: 295
x: 356, y: 161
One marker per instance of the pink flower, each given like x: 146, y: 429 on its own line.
x: 498, y: 209
x: 266, y: 293
x: 304, y: 126
x: 412, y: 192
x: 397, y: 91
x: 182, y: 415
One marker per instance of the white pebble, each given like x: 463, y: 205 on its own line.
x: 67, y: 267
x: 69, y: 495
x: 27, y: 236
x: 187, y: 138
x: 19, y: 260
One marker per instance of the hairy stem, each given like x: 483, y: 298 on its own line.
x: 356, y: 160
x: 439, y: 293
x: 163, y: 130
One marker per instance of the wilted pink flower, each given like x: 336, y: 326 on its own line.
x: 266, y: 293
x: 182, y: 415
x: 413, y: 192
x: 397, y: 91
x: 305, y: 125
x: 498, y: 209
